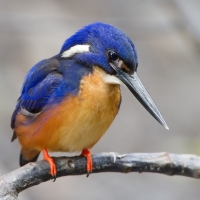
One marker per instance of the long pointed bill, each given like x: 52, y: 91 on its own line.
x: 136, y: 87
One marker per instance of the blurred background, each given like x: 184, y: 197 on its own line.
x: 167, y: 37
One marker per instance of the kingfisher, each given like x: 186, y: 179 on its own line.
x: 68, y: 101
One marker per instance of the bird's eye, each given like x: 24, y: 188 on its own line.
x: 112, y: 56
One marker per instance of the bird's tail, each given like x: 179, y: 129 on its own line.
x: 28, y: 155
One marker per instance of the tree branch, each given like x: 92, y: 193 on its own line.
x: 13, y: 183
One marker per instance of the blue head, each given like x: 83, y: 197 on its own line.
x: 103, y: 45
x: 102, y: 40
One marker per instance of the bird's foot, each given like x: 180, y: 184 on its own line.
x: 51, y: 163
x: 88, y: 156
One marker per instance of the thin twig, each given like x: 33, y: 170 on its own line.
x: 13, y: 183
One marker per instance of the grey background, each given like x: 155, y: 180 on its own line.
x: 167, y: 37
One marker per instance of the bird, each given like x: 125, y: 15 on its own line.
x: 68, y: 101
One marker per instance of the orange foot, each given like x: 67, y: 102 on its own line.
x: 88, y: 156
x: 51, y: 163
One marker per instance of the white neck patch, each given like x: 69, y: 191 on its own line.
x: 109, y: 79
x: 76, y: 49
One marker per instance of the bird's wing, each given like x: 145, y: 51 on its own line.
x: 39, y: 86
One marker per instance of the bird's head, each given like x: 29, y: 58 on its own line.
x: 103, y: 45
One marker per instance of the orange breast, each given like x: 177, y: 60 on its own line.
x: 76, y: 123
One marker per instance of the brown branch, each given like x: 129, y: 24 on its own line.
x: 32, y: 174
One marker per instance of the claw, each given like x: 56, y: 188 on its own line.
x: 54, y: 178
x: 88, y: 156
x: 88, y: 173
x: 51, y: 163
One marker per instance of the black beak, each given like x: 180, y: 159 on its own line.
x: 138, y: 90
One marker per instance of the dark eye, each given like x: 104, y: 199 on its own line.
x: 112, y: 56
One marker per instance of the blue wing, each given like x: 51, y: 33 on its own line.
x: 40, y: 84
x: 48, y: 82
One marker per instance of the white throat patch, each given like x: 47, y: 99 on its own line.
x: 110, y: 79
x: 76, y: 49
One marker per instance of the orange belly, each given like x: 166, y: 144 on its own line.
x: 75, y: 124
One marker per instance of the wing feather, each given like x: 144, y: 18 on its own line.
x: 40, y: 85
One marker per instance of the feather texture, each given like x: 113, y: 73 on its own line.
x: 76, y: 123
